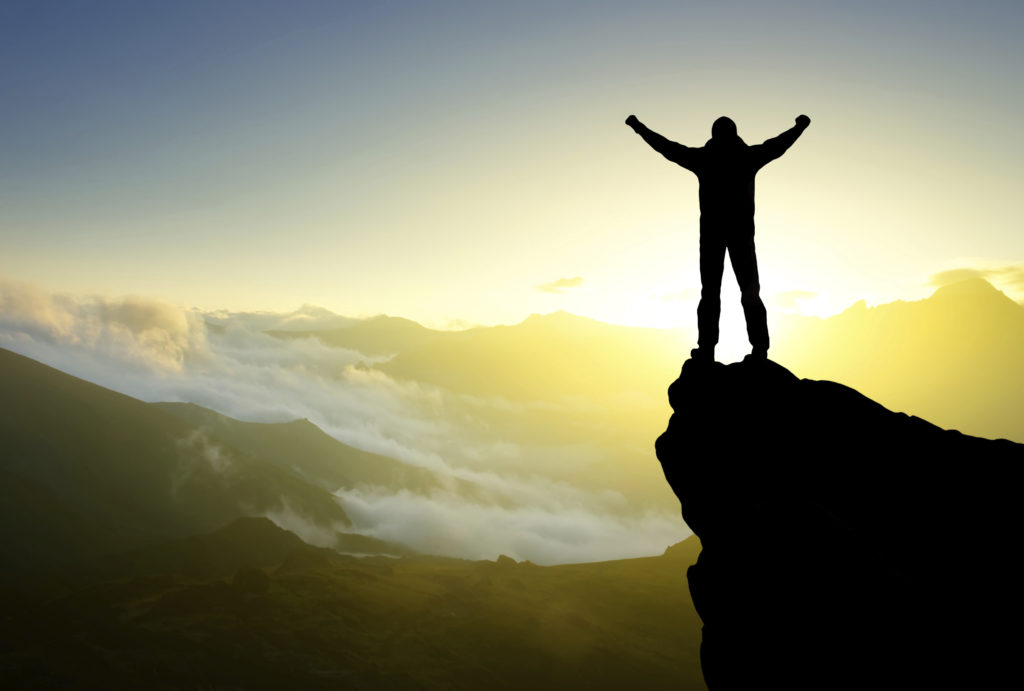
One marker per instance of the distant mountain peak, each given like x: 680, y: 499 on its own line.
x: 973, y: 287
x: 314, y: 310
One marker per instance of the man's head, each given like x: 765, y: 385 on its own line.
x: 723, y: 129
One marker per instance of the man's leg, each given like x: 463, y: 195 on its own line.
x: 744, y: 265
x: 712, y: 262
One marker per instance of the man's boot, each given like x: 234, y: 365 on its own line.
x: 703, y: 354
x: 758, y: 354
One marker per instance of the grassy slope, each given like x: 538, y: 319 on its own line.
x: 315, y: 620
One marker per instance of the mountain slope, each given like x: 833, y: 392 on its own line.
x: 245, y: 542
x: 954, y: 358
x: 300, y: 446
x: 87, y: 470
x: 315, y: 620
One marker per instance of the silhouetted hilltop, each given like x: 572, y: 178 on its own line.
x: 844, y: 545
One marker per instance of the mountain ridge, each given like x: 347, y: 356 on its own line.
x: 952, y: 357
x: 302, y: 446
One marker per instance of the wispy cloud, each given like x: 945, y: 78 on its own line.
x: 561, y: 285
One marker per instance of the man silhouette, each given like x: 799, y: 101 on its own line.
x: 725, y: 167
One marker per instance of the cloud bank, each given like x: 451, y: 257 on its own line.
x: 223, y: 361
x: 542, y: 534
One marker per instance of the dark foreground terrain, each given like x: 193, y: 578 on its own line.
x: 252, y: 607
x: 845, y: 546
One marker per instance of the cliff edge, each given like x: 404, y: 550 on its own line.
x: 844, y: 545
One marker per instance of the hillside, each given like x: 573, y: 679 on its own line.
x: 953, y: 358
x: 88, y: 471
x: 250, y: 606
x: 301, y: 447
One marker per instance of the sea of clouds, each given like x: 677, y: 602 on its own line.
x: 225, y: 361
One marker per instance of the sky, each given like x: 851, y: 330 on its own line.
x: 467, y: 162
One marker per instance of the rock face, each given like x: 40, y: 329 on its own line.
x: 844, y: 545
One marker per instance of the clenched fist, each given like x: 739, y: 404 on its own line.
x: 803, y: 120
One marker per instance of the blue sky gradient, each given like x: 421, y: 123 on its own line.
x: 441, y: 160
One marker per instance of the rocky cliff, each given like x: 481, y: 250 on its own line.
x: 844, y: 545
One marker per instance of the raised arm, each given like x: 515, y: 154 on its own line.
x: 673, y: 151
x: 776, y: 146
